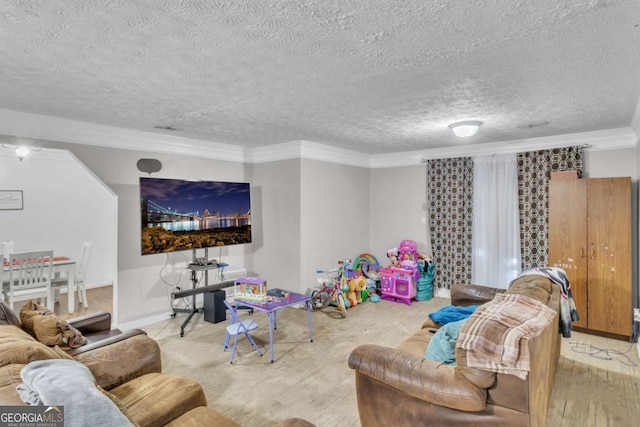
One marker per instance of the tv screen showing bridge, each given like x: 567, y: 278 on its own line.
x: 183, y: 215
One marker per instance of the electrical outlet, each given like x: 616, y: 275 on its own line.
x: 636, y: 314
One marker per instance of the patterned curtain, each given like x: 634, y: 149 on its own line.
x: 450, y: 197
x: 534, y: 172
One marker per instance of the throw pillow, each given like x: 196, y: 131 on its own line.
x: 49, y: 329
x: 442, y: 347
x: 28, y: 312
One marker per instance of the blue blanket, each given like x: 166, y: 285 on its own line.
x: 67, y: 383
x: 452, y: 313
x: 442, y: 347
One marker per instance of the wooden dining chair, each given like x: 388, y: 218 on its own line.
x: 237, y: 327
x: 29, y: 276
x: 81, y: 285
x: 79, y: 279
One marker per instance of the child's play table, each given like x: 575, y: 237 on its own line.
x: 278, y: 299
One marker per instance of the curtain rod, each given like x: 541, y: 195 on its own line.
x: 423, y: 160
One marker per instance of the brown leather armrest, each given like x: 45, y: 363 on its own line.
x: 92, y: 345
x: 468, y: 294
x: 92, y: 322
x: 122, y: 361
x: 423, y: 379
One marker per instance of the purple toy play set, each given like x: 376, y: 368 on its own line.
x: 398, y: 282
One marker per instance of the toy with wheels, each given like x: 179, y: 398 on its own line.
x: 331, y: 291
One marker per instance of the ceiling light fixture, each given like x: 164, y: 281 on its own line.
x: 465, y: 129
x: 22, y: 152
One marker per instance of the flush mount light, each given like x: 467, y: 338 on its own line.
x: 22, y: 152
x: 465, y: 129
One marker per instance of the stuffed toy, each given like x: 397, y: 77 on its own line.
x: 356, y: 286
x: 393, y: 255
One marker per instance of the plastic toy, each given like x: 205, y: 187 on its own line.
x: 393, y: 255
x: 408, y: 251
x: 368, y: 265
x: 251, y: 289
x: 398, y: 281
x: 331, y: 291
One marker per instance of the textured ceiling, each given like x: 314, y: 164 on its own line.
x: 374, y: 76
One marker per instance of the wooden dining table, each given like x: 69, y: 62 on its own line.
x: 62, y: 266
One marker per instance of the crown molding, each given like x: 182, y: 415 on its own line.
x: 612, y: 139
x: 635, y: 121
x: 302, y: 149
x: 33, y: 126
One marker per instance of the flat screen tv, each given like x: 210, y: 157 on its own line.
x: 180, y: 215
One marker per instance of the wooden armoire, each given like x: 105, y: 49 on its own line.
x: 590, y: 238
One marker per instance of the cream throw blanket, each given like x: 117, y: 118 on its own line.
x: 497, y: 334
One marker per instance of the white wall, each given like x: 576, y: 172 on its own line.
x: 64, y: 206
x: 276, y: 223
x: 619, y: 163
x: 611, y: 163
x: 145, y: 282
x: 335, y: 216
x: 398, y: 197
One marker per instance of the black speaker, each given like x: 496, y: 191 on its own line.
x: 149, y: 165
x: 214, y: 308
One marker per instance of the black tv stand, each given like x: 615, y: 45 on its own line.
x: 196, y: 267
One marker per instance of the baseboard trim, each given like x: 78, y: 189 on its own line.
x: 63, y: 288
x: 149, y: 320
x: 442, y: 293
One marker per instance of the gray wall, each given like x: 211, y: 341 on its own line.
x: 276, y: 223
x: 335, y: 216
x: 398, y: 197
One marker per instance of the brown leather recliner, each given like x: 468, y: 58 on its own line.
x: 399, y: 387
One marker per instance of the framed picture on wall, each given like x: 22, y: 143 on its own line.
x: 11, y: 200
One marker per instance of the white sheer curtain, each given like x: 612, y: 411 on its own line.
x: 496, y: 221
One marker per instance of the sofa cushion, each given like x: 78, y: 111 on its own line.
x: 9, y: 380
x: 7, y: 316
x: 48, y: 328
x: 202, y: 416
x: 467, y: 294
x: 154, y: 400
x: 122, y: 361
x: 16, y: 346
x: 417, y: 343
x: 442, y: 347
x: 533, y: 286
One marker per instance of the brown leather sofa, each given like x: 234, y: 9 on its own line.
x: 399, y: 387
x: 126, y: 364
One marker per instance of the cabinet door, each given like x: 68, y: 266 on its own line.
x: 609, y: 264
x: 568, y: 237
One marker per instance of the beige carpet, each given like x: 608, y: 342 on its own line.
x: 313, y: 381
